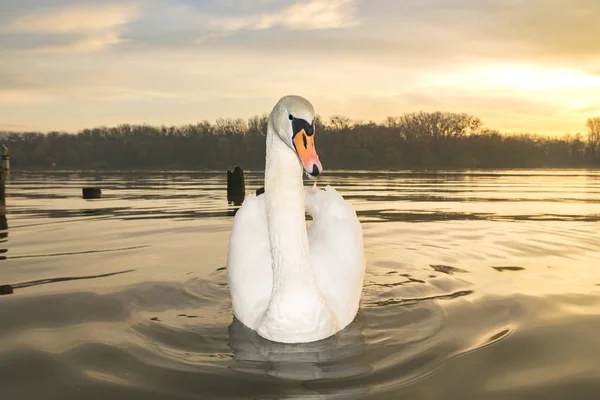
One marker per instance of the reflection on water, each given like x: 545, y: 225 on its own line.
x: 9, y: 289
x: 3, y: 236
x: 478, y: 285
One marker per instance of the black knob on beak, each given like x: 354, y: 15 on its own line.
x: 315, y: 171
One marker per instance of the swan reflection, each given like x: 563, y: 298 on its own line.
x: 341, y: 356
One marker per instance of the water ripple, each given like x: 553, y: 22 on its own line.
x: 479, y: 284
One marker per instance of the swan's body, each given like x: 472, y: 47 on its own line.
x: 288, y: 283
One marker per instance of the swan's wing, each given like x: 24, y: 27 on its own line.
x: 336, y: 250
x: 249, y: 262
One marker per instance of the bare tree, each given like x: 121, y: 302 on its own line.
x: 339, y: 123
x: 593, y: 125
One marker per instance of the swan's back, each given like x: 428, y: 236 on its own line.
x: 249, y: 270
x: 336, y: 251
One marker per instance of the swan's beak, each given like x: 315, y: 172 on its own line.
x: 305, y: 147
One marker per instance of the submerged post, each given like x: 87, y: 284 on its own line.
x: 6, y: 289
x: 5, y: 158
x: 91, y: 193
x: 3, y: 220
x: 2, y: 192
x: 236, y: 188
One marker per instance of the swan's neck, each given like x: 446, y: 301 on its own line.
x: 284, y: 200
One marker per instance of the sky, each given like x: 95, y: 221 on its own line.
x: 521, y: 66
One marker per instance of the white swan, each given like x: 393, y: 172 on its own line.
x: 287, y: 284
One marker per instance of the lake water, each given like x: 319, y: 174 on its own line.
x: 479, y: 285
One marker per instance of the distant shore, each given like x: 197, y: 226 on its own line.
x: 417, y: 141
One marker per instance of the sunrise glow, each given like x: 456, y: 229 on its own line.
x: 177, y: 62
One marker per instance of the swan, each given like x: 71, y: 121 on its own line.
x: 288, y: 283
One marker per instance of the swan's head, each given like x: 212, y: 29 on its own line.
x: 293, y: 120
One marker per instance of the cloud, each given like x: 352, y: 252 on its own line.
x: 549, y: 30
x: 76, y: 28
x: 308, y: 15
x: 75, y: 18
x: 11, y: 97
x: 426, y: 34
x: 87, y: 43
x: 553, y: 28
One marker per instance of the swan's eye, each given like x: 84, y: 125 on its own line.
x: 291, y: 117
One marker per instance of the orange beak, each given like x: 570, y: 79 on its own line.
x: 305, y: 147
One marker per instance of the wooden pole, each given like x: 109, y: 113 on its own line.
x: 236, y: 188
x: 2, y: 192
x: 5, y: 158
x: 3, y: 221
x: 4, y: 289
x: 91, y: 193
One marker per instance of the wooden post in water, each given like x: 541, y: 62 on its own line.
x: 3, y: 220
x: 5, y: 158
x: 4, y: 289
x: 236, y: 188
x: 2, y: 192
x: 91, y: 193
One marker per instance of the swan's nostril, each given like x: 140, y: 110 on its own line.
x: 315, y: 171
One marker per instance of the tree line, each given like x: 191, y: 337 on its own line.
x: 414, y: 140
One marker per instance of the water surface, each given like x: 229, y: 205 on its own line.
x: 478, y: 285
